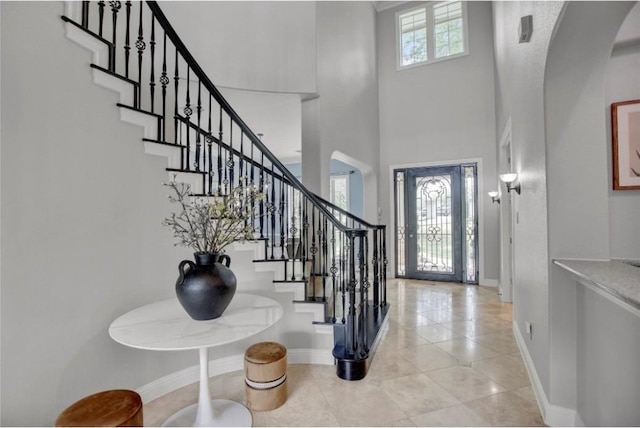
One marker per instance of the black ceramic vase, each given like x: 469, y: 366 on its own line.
x: 205, y: 288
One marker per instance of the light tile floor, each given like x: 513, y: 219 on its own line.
x: 448, y: 358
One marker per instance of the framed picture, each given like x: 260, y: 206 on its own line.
x: 625, y: 127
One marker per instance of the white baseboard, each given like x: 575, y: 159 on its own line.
x: 182, y: 378
x: 488, y: 282
x: 553, y: 415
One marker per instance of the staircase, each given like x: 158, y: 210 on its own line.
x: 333, y: 262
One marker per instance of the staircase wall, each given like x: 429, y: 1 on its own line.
x: 266, y: 46
x: 82, y: 241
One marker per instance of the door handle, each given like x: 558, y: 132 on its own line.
x: 410, y: 236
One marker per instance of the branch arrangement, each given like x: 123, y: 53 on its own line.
x: 209, y: 224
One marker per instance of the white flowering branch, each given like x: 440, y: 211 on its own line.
x: 209, y: 226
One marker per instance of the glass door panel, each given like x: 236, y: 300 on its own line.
x: 434, y: 223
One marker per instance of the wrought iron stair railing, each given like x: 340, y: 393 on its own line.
x: 319, y: 243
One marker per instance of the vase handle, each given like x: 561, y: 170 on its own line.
x: 182, y: 271
x: 223, y: 257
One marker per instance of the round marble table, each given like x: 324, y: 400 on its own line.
x: 165, y: 326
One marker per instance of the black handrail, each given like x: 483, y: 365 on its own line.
x: 197, y: 70
x: 350, y: 215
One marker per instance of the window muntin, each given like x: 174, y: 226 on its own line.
x: 413, y: 36
x: 430, y: 33
x: 448, y: 29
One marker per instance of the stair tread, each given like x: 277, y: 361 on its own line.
x: 114, y: 74
x: 86, y: 30
x: 165, y: 143
x: 317, y: 301
x: 292, y: 281
x: 207, y: 195
x: 185, y: 170
x: 156, y: 115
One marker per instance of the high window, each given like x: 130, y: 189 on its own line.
x: 432, y: 32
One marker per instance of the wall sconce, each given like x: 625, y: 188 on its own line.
x: 509, y: 179
x: 495, y: 196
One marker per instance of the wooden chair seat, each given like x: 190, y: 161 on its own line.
x: 115, y: 408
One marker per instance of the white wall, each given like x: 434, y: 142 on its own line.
x: 622, y: 84
x: 553, y: 90
x: 276, y: 115
x: 268, y: 46
x: 519, y: 96
x: 578, y: 202
x: 345, y: 115
x: 441, y: 112
x: 81, y: 236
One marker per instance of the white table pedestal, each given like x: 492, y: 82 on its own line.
x: 207, y: 412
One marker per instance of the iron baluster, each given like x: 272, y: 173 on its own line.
x: 196, y: 161
x: 187, y: 112
x: 333, y: 271
x: 176, y: 81
x: 352, y: 331
x: 384, y: 265
x: 209, y: 139
x: 241, y: 172
x: 282, y: 217
x: 100, y: 16
x: 141, y: 45
x: 374, y: 262
x: 115, y: 7
x: 225, y: 166
x: 230, y: 162
x: 220, y: 155
x: 152, y: 77
x: 127, y: 41
x: 85, y: 14
x: 164, y: 80
x: 294, y: 230
x: 305, y: 238
x: 272, y: 208
x: 324, y: 260
x: 285, y: 219
x: 364, y: 292
x: 261, y: 207
x: 343, y: 278
x: 313, y: 250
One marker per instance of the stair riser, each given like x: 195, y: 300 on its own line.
x: 99, y: 50
x: 124, y: 89
x: 148, y: 122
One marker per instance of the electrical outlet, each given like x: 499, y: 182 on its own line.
x: 529, y: 330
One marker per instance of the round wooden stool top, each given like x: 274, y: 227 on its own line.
x: 265, y: 353
x: 115, y: 408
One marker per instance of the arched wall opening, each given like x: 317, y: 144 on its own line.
x: 363, y: 186
x: 578, y: 185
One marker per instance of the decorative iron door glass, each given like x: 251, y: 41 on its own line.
x: 432, y: 240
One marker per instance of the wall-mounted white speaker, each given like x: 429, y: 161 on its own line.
x: 525, y: 29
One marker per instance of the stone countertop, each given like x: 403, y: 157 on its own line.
x: 614, y: 277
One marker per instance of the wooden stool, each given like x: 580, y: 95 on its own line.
x: 265, y: 368
x: 115, y: 408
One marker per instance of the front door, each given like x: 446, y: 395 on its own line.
x: 437, y: 223
x: 434, y: 245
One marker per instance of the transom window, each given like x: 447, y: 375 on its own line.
x: 432, y: 32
